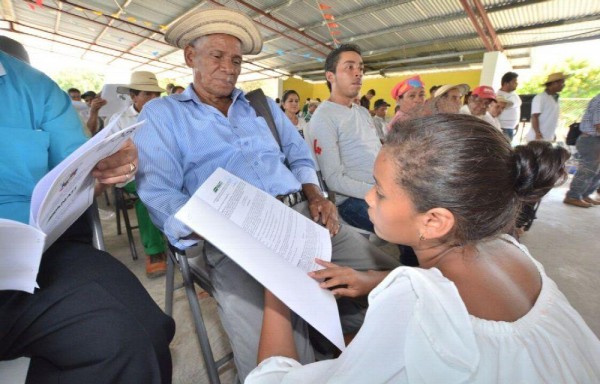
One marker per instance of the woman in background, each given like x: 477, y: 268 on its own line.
x: 410, y: 97
x: 290, y: 104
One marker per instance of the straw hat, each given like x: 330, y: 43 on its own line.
x: 502, y: 99
x: 216, y: 20
x: 141, y: 81
x: 555, y: 77
x: 462, y: 88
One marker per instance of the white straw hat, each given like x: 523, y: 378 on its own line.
x: 141, y: 81
x: 462, y: 88
x: 216, y: 20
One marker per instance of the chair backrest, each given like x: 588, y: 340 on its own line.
x: 312, y: 145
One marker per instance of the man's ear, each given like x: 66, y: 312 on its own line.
x: 330, y: 76
x: 437, y: 223
x: 188, y: 53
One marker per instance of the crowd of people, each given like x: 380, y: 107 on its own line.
x: 466, y: 302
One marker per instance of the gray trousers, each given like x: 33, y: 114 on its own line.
x: 587, y: 178
x: 240, y: 296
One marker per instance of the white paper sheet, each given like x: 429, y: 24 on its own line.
x: 115, y: 102
x: 68, y: 190
x: 273, y: 243
x: 21, y: 248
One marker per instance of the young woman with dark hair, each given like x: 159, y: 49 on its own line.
x: 290, y: 104
x: 479, y: 309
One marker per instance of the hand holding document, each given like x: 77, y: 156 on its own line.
x: 273, y: 243
x: 58, y: 199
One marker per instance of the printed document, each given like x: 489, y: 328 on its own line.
x: 272, y: 242
x: 58, y: 199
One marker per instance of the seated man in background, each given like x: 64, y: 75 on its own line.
x: 348, y: 140
x: 90, y: 321
x: 142, y: 88
x: 380, y: 109
x: 347, y: 137
x: 447, y: 99
x: 494, y: 111
x: 210, y: 125
x: 479, y: 101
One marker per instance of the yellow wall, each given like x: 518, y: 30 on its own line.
x: 304, y: 89
x: 383, y: 86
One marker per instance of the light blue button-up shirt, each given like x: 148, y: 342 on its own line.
x: 39, y: 128
x: 184, y: 141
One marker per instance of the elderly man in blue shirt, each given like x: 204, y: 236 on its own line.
x: 210, y: 125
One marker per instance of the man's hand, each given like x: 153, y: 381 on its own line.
x: 119, y: 167
x: 97, y: 103
x: 345, y: 281
x: 321, y: 208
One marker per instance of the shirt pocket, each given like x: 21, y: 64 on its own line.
x: 23, y: 162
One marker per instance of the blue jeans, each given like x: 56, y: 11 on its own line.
x: 587, y: 178
x: 355, y: 212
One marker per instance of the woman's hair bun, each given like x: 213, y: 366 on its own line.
x: 539, y: 167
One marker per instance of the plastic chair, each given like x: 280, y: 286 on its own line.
x: 193, y: 270
x: 123, y: 201
x: 15, y: 371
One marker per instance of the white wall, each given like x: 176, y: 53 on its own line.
x: 495, y: 65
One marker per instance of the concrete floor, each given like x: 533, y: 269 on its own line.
x: 565, y: 239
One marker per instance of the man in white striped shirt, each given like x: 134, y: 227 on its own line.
x: 210, y: 125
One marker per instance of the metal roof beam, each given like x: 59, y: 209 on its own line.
x: 478, y: 28
x: 289, y: 27
x: 407, y: 61
x: 359, y: 12
x: 418, y: 24
x: 496, y: 44
x: 482, y: 24
x: 312, y: 48
x: 173, y: 68
x: 451, y: 39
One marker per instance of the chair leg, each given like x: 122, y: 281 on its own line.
x: 129, y: 232
x: 209, y: 361
x: 170, y: 285
x: 118, y: 206
x: 106, y: 199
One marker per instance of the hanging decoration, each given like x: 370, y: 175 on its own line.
x: 329, y: 18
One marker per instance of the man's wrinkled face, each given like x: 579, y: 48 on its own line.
x: 478, y: 105
x: 450, y: 102
x: 217, y: 62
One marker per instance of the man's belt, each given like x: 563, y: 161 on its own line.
x: 292, y: 199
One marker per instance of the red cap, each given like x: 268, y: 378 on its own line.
x: 484, y: 92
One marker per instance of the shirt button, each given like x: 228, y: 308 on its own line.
x: 256, y: 163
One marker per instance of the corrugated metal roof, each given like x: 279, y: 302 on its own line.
x: 131, y: 34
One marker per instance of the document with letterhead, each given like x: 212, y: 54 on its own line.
x: 272, y: 242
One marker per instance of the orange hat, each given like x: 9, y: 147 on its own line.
x: 406, y: 85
